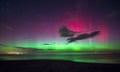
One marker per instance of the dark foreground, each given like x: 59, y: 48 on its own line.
x: 55, y: 66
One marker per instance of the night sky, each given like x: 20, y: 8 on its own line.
x: 38, y: 21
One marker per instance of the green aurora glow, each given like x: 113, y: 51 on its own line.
x: 83, y: 52
x: 72, y: 46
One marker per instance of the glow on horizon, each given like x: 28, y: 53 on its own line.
x: 72, y: 46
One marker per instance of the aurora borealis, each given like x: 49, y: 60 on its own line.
x: 29, y: 29
x: 31, y: 24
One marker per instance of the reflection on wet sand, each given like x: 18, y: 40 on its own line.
x: 82, y: 55
x: 89, y: 57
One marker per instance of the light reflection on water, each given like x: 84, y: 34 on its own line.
x: 75, y: 57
